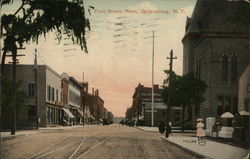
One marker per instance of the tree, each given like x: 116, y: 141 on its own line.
x: 35, y: 18
x: 187, y: 92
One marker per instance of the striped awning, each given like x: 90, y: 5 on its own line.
x: 80, y: 112
x: 67, y: 111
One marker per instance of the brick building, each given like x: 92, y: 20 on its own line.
x: 216, y: 49
x: 141, y: 107
x: 49, y: 95
x: 93, y: 103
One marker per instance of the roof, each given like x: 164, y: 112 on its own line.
x: 75, y: 82
x: 220, y: 16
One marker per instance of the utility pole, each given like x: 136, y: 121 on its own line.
x: 36, y: 91
x: 13, y: 96
x: 13, y: 91
x: 170, y: 89
x: 152, y: 100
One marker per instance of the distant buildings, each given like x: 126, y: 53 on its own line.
x: 141, y: 107
x: 217, y: 51
x: 62, y: 100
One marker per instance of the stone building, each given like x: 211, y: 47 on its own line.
x: 244, y: 91
x: 217, y: 50
x: 48, y: 91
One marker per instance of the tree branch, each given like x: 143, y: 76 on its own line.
x: 23, y: 4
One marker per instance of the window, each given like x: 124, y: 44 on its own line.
x: 199, y: 69
x: 224, y: 68
x: 53, y: 94
x: 48, y: 93
x: 61, y: 97
x: 32, y: 113
x: 247, y: 104
x: 234, y: 68
x: 56, y: 94
x: 220, y: 106
x: 228, y: 104
x: 31, y: 89
x: 235, y: 105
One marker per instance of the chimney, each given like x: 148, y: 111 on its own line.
x: 93, y: 91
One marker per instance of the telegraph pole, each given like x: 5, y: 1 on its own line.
x: 36, y: 91
x: 170, y: 89
x: 152, y: 101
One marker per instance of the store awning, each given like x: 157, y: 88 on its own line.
x: 68, y: 113
x: 90, y: 116
x: 80, y: 112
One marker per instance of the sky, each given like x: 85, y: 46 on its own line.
x: 119, y: 47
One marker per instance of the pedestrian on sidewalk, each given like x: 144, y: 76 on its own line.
x: 168, y: 130
x: 161, y: 127
x: 200, y: 131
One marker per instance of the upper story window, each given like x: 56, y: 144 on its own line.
x: 224, y: 68
x: 234, y: 68
x: 56, y: 94
x: 53, y: 94
x: 31, y: 89
x: 48, y: 93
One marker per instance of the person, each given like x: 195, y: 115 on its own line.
x: 200, y: 131
x: 161, y: 127
x: 168, y: 130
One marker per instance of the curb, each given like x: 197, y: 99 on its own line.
x: 196, y: 154
x: 146, y: 130
x: 15, y: 136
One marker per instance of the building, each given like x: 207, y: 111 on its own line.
x: 93, y: 104
x: 141, y: 107
x: 75, y: 100
x: 216, y: 50
x: 244, y: 91
x: 48, y: 91
x: 87, y: 102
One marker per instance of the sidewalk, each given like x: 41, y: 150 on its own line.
x: 7, y: 135
x: 212, y: 149
x: 155, y: 129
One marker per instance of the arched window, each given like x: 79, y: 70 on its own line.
x: 224, y: 68
x: 234, y: 68
x: 31, y: 89
x: 199, y: 68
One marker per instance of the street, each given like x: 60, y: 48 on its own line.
x: 93, y: 142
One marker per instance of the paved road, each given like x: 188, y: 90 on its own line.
x: 92, y: 142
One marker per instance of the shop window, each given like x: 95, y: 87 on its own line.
x: 220, y: 106
x: 31, y: 89
x: 235, y: 105
x: 228, y: 104
x: 224, y: 68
